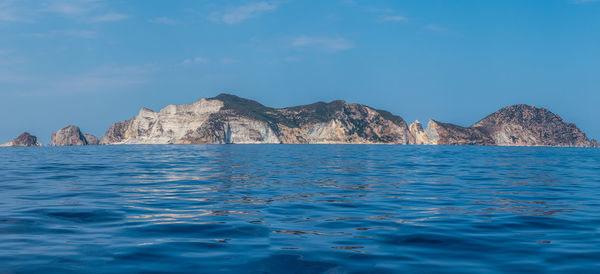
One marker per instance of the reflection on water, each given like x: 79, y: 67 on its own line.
x: 336, y: 208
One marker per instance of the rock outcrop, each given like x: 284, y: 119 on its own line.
x: 450, y: 134
x: 517, y: 125
x: 417, y: 135
x: 24, y: 140
x: 523, y: 125
x: 72, y: 136
x: 91, y: 139
x: 228, y: 119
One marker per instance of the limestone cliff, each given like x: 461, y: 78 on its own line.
x: 449, y: 134
x: 417, y: 135
x: 229, y: 119
x: 72, y: 136
x: 24, y: 140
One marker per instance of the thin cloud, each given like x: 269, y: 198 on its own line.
x: 31, y: 11
x: 163, y: 20
x: 100, y: 80
x: 322, y: 42
x: 87, y: 34
x: 195, y: 60
x: 66, y: 7
x: 10, y: 11
x: 239, y: 14
x: 109, y: 17
x: 107, y: 78
x: 436, y: 28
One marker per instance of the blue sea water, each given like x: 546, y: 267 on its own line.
x: 299, y: 209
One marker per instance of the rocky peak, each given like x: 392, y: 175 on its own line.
x: 23, y: 140
x: 72, y: 136
x: 525, y: 125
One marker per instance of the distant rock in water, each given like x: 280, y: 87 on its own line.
x: 72, y: 136
x: 24, y: 140
x: 228, y: 119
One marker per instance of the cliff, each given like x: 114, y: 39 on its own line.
x: 24, y: 140
x: 72, y: 136
x: 228, y: 119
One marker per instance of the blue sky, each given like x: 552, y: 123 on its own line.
x: 92, y: 63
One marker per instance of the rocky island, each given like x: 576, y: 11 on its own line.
x: 24, y: 140
x: 228, y: 119
x: 72, y: 136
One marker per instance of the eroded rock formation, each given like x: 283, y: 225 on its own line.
x: 517, y: 125
x: 72, y: 136
x: 229, y: 119
x: 24, y: 140
x: 523, y: 125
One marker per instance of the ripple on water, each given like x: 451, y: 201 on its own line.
x: 302, y: 209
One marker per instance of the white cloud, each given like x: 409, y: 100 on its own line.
x: 31, y: 11
x: 69, y: 7
x: 163, y: 20
x: 195, y: 60
x: 109, y: 17
x: 240, y: 14
x: 327, y: 43
x: 88, y: 34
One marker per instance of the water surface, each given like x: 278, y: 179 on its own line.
x: 299, y: 209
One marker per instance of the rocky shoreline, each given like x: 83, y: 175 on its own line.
x: 228, y: 119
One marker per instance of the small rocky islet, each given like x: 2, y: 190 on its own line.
x: 229, y: 119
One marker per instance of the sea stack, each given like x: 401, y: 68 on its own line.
x: 24, y: 140
x: 72, y: 136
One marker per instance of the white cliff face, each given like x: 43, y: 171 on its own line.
x: 183, y: 124
x: 432, y: 134
x: 418, y: 136
x: 171, y: 124
x: 246, y: 131
x: 326, y: 133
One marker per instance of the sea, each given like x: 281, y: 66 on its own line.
x: 299, y: 209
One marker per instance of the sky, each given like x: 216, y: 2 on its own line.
x: 93, y: 63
